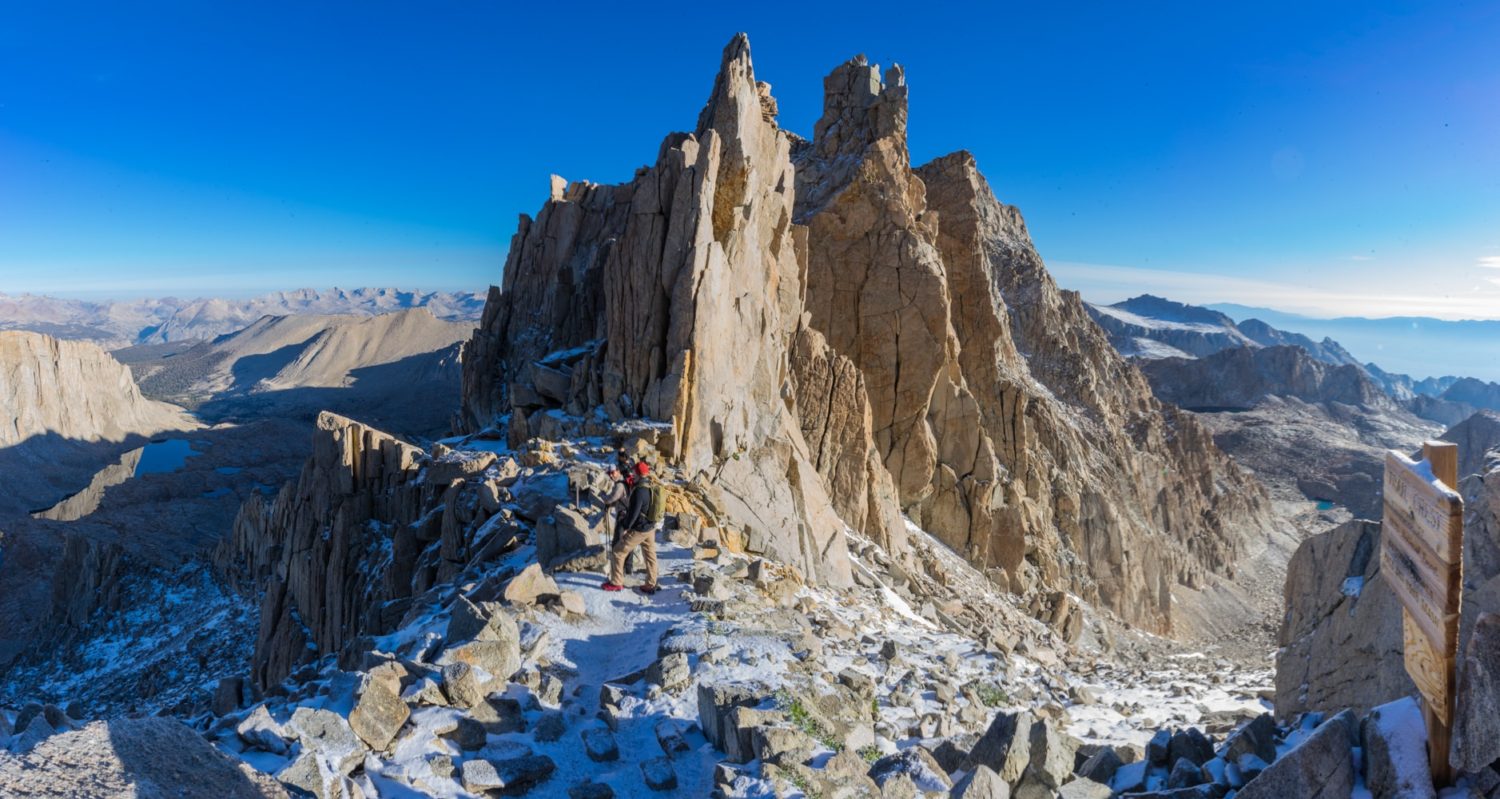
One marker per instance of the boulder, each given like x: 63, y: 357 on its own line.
x: 563, y: 533
x: 461, y: 685
x: 669, y: 738
x: 510, y: 775
x: 671, y: 672
x: 591, y: 790
x: 531, y: 584
x: 1051, y: 761
x: 499, y: 714
x: 1131, y: 777
x: 468, y: 734
x: 1476, y: 734
x: 259, y: 731
x: 1185, y: 774
x: 1157, y: 748
x: 1101, y: 765
x: 714, y: 705
x: 982, y: 783
x: 228, y: 695
x: 573, y: 603
x: 1394, y: 738
x: 658, y: 774
x: 486, y: 621
x: 915, y: 764
x: 378, y: 712
x: 1005, y: 747
x: 498, y: 659
x: 1084, y: 788
x: 599, y: 744
x: 458, y: 465
x: 1320, y: 767
x: 327, y: 734
x: 1256, y: 738
x: 37, y: 730
x: 781, y: 745
x: 550, y: 727
x: 1190, y: 744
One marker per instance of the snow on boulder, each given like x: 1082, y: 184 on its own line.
x: 1395, y: 747
x: 1320, y: 767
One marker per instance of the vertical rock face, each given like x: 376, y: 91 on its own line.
x: 325, y: 572
x: 675, y: 297
x: 829, y: 331
x: 1014, y: 432
x: 73, y: 390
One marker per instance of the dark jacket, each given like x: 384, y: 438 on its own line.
x: 633, y: 517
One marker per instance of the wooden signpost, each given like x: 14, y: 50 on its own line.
x: 1421, y: 557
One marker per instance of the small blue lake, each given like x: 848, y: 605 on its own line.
x: 1324, y: 504
x: 160, y: 457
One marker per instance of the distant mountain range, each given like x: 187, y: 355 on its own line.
x: 1415, y: 345
x: 1153, y: 328
x: 169, y: 319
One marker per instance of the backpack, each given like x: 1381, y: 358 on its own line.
x: 657, y: 510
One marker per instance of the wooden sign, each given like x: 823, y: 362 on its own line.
x: 1421, y: 557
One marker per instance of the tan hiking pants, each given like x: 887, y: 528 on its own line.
x: 646, y: 540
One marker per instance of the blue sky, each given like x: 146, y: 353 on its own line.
x: 1316, y: 157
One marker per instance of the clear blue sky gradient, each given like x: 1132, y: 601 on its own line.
x: 1337, y: 157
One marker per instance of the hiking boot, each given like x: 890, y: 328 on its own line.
x: 612, y: 587
x: 648, y: 589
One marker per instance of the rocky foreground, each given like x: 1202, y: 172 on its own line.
x: 737, y: 680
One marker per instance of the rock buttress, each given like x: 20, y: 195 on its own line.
x: 1014, y: 432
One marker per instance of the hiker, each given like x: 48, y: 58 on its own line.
x: 637, y: 527
x: 611, y: 501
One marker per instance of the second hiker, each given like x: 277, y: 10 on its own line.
x: 637, y: 526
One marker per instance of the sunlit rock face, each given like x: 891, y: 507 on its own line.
x: 72, y: 390
x: 837, y: 337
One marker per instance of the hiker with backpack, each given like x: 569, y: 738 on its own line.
x: 636, y: 527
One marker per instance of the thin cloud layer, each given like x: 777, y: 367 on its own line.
x: 1110, y: 283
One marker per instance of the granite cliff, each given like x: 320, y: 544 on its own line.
x: 823, y: 333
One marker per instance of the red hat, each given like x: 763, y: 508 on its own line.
x: 642, y: 468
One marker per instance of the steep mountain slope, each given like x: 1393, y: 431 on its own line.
x: 66, y: 408
x: 675, y: 297
x: 1307, y: 428
x: 1240, y: 377
x: 399, y: 369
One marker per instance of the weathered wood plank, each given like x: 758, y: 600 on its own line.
x: 1429, y: 617
x: 1435, y: 513
x: 1421, y: 559
x: 1429, y: 668
x: 1431, y: 572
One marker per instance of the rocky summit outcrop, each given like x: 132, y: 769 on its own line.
x: 675, y: 297
x: 1012, y: 429
x: 832, y: 338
